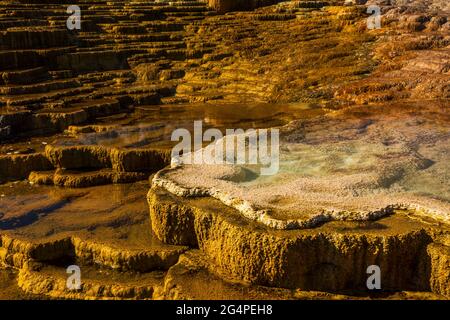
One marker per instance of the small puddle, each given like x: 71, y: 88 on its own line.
x: 115, y: 214
x: 152, y: 126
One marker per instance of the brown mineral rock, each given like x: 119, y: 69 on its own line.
x: 362, y: 178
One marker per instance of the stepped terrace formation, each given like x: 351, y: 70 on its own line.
x: 87, y: 115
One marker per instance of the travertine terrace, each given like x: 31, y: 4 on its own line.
x: 86, y: 118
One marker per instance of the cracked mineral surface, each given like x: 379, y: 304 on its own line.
x: 87, y: 176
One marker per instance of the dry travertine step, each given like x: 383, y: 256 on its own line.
x: 54, y: 120
x: 253, y: 70
x: 190, y: 278
x: 74, y: 179
x: 216, y: 59
x: 232, y: 5
x: 51, y: 281
x: 413, y: 56
x: 125, y: 165
x: 193, y: 278
x: 18, y: 167
x: 257, y: 49
x: 9, y: 290
x: 423, y: 77
x: 179, y: 49
x: 17, y: 252
x: 333, y: 257
x: 98, y: 156
x: 47, y: 67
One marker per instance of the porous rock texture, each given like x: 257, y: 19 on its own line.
x: 337, y: 198
x: 94, y: 109
x: 223, y: 6
x: 331, y: 257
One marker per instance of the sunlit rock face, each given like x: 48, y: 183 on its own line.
x: 86, y: 118
x: 358, y: 164
x: 239, y: 5
x: 361, y: 186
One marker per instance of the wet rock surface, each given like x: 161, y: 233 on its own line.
x: 86, y: 118
x: 358, y: 164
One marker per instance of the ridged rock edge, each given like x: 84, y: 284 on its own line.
x: 18, y: 253
x: 247, y: 210
x: 307, y: 259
